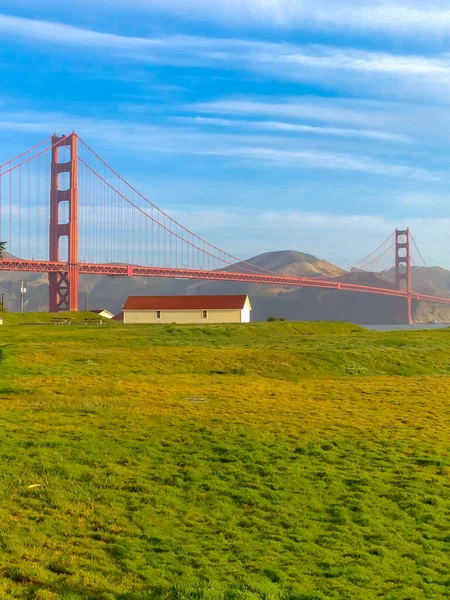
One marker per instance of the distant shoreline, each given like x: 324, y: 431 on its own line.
x: 416, y: 327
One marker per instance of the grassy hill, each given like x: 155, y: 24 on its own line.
x: 277, y: 461
x: 45, y: 318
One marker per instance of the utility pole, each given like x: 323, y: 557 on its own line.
x: 22, y: 294
x: 3, y: 295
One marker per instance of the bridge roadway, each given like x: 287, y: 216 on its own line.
x: 176, y: 273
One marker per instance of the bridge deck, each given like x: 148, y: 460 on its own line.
x: 172, y: 273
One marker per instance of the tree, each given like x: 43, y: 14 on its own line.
x: 2, y: 249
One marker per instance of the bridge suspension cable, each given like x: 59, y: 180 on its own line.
x: 418, y: 252
x: 26, y: 160
x: 173, y: 229
x: 27, y: 152
x: 376, y: 255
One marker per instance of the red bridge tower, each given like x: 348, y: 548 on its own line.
x: 403, y: 268
x: 63, y: 285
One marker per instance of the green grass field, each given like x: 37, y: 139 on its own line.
x: 271, y: 461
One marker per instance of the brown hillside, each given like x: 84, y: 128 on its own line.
x: 427, y: 280
x: 290, y: 263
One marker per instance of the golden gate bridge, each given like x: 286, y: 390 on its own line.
x: 64, y: 211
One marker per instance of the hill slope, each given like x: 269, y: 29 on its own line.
x: 290, y: 263
x: 427, y: 280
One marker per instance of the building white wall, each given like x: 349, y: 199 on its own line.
x: 245, y: 313
x: 186, y: 316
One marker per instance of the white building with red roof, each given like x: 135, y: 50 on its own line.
x: 187, y: 309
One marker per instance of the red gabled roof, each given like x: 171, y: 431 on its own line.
x: 185, y: 303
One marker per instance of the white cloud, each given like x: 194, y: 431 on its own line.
x: 293, y: 62
x: 277, y: 150
x: 284, y: 127
x: 407, y: 17
x: 354, y: 113
x: 332, y: 161
x: 340, y: 238
x: 425, y: 200
x: 426, y: 124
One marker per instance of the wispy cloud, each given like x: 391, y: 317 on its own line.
x: 399, y: 17
x: 333, y: 161
x: 425, y: 201
x: 340, y: 238
x: 168, y: 88
x: 284, y: 127
x: 333, y: 110
x: 425, y: 123
x: 407, y: 17
x: 276, y: 150
x: 293, y: 62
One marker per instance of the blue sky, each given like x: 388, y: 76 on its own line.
x: 317, y: 126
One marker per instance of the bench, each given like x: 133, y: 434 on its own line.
x: 92, y: 322
x: 59, y: 321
